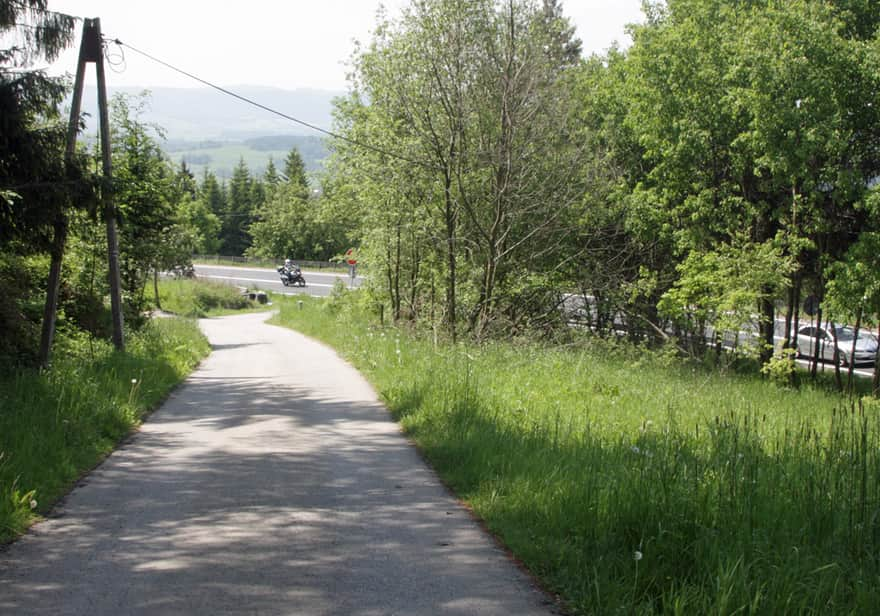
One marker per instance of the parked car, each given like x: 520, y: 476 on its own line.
x: 866, y: 345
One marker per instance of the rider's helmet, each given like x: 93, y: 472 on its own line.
x: 287, y: 263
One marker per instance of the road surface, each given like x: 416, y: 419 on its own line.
x: 317, y: 283
x: 271, y: 482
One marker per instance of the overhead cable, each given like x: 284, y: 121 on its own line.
x: 270, y: 110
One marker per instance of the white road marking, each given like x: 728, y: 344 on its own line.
x: 264, y: 270
x: 272, y: 282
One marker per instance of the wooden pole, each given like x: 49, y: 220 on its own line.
x: 59, y: 238
x: 107, y: 197
x: 90, y: 50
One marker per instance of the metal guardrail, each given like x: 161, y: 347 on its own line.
x: 267, y: 263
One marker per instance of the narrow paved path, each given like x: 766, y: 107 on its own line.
x: 271, y: 482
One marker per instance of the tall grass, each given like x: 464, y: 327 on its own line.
x: 631, y: 484
x: 199, y: 298
x: 57, y: 423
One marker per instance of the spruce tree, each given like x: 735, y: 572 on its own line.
x: 295, y: 170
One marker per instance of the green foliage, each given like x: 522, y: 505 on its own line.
x: 471, y: 96
x: 781, y: 368
x: 292, y: 225
x: 199, y: 298
x: 295, y: 170
x: 38, y: 186
x: 196, y: 216
x: 854, y: 281
x: 58, y: 423
x: 238, y: 213
x: 631, y: 487
x: 146, y: 193
x: 20, y: 308
x: 723, y: 287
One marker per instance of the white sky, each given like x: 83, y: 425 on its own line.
x: 287, y: 44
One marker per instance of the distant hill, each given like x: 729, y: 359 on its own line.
x: 221, y: 157
x: 201, y: 114
x: 210, y: 129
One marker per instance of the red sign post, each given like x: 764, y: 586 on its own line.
x: 351, y: 259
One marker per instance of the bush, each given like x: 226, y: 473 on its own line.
x: 198, y: 298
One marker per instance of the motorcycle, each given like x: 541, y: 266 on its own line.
x: 291, y: 277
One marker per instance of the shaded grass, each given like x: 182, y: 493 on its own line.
x: 632, y: 484
x: 58, y: 423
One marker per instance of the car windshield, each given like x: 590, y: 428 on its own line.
x: 845, y: 333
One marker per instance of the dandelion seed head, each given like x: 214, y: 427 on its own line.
x: 134, y: 381
x: 637, y: 556
x: 33, y: 503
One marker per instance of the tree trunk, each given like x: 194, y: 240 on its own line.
x: 389, y: 276
x: 415, y: 266
x: 396, y: 297
x: 789, y: 313
x: 797, y: 309
x: 837, y: 380
x: 156, y: 288
x: 768, y: 329
x: 59, y: 241
x: 852, y: 355
x: 816, y: 348
x: 450, y: 256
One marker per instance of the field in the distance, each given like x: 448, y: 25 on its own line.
x: 222, y: 157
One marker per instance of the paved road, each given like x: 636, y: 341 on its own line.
x: 272, y: 482
x: 317, y: 283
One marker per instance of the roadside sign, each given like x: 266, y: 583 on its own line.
x: 350, y: 256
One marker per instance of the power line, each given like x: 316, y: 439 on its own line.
x: 273, y: 111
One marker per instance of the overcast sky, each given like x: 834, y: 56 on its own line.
x: 282, y: 43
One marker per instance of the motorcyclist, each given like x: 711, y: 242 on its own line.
x: 290, y: 273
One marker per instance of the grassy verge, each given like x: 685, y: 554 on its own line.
x: 202, y: 298
x: 56, y: 424
x: 633, y: 484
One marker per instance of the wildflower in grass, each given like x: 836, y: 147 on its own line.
x: 635, y: 449
x: 134, y: 381
x: 33, y: 503
x: 637, y: 556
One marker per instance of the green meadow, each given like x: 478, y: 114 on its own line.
x: 629, y: 482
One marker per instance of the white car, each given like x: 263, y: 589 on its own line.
x: 866, y: 345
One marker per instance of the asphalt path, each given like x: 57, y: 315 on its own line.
x: 271, y: 482
x: 317, y: 283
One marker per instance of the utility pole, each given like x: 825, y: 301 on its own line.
x: 107, y: 190
x: 90, y: 50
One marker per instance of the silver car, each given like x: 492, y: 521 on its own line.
x: 866, y: 345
